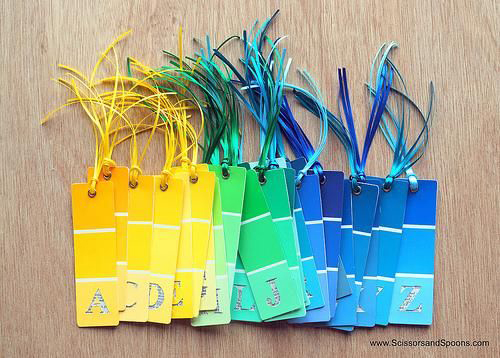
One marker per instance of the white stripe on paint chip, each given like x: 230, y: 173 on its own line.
x: 286, y: 218
x: 415, y: 275
x: 217, y: 227
x: 390, y: 229
x: 297, y: 210
x: 307, y: 258
x: 121, y: 263
x: 332, y: 269
x: 140, y: 222
x: 228, y: 213
x: 426, y: 227
x: 327, y: 218
x: 97, y: 279
x: 94, y: 231
x: 322, y: 272
x: 239, y: 271
x: 359, y: 283
x: 314, y: 222
x: 190, y: 270
x: 386, y: 279
x: 266, y: 267
x: 369, y: 277
x: 255, y: 218
x: 121, y: 213
x: 362, y: 233
x: 346, y: 226
x: 195, y: 220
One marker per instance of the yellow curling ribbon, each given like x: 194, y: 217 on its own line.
x: 103, y: 109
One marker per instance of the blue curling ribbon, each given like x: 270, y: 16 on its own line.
x: 347, y: 136
x: 395, y: 121
x: 378, y: 107
x: 299, y: 143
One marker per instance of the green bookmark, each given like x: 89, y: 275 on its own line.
x: 263, y: 257
x: 292, y: 194
x: 232, y: 186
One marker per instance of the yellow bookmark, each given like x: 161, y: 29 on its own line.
x: 119, y: 177
x: 169, y: 197
x: 202, y: 197
x: 94, y: 204
x: 94, y: 236
x: 139, y: 232
x: 196, y: 223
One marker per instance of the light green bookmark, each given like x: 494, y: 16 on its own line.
x: 232, y: 188
x: 221, y: 314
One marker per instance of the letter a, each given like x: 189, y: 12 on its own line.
x: 98, y: 301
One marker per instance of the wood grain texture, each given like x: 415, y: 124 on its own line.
x: 455, y: 44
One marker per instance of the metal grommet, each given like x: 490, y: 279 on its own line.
x: 298, y: 185
x: 413, y: 190
x: 194, y: 180
x: 133, y: 186
x: 107, y: 176
x: 356, y: 190
x: 163, y: 187
x: 225, y: 174
x: 262, y: 180
x: 386, y: 189
x: 92, y: 195
x: 322, y: 180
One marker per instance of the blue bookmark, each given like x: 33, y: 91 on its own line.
x: 310, y: 196
x: 366, y: 310
x: 412, y: 300
x: 345, y: 314
x: 364, y: 196
x: 395, y: 192
x: 311, y: 281
x: 331, y: 191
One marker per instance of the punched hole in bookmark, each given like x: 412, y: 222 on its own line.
x: 133, y: 185
x: 356, y: 190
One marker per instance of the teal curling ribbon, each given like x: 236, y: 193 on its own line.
x: 263, y: 81
x: 393, y: 123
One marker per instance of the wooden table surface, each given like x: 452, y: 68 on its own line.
x: 455, y: 44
